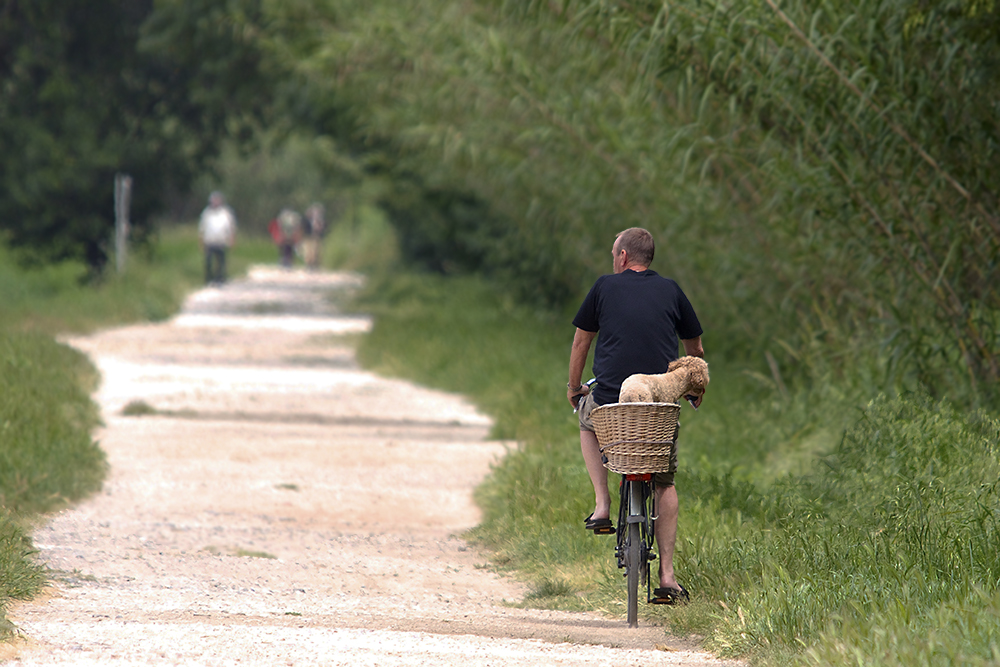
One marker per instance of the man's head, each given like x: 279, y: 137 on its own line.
x: 633, y: 248
x: 216, y: 199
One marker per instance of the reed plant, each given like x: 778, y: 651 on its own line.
x: 821, y: 168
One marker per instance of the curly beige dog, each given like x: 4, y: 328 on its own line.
x: 686, y: 376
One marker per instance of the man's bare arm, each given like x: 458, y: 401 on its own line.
x: 692, y: 347
x: 577, y: 362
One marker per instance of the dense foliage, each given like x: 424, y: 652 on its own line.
x: 86, y: 95
x: 831, y: 159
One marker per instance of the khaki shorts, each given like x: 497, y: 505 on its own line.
x: 587, y: 405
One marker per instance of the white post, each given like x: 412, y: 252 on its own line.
x: 123, y: 197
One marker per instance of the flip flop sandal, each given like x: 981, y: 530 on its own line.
x: 668, y: 595
x: 601, y: 526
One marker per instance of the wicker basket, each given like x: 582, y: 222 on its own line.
x: 636, y: 438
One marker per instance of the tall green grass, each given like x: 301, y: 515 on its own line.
x: 818, y: 524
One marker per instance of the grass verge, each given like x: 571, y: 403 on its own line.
x: 817, y: 526
x: 57, y: 299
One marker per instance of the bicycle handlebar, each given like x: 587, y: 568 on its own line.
x: 589, y: 383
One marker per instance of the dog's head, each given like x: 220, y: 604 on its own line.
x: 697, y: 374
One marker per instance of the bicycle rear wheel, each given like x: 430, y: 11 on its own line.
x: 633, y: 572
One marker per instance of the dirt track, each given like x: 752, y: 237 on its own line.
x: 282, y: 507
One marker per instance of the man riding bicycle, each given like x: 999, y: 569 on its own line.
x: 637, y: 317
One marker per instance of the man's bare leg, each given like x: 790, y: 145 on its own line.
x: 665, y: 529
x: 598, y: 474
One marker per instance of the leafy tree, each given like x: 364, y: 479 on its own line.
x: 81, y: 101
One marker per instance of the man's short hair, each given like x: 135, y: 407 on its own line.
x: 638, y: 243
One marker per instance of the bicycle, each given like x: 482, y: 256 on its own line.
x: 636, y: 441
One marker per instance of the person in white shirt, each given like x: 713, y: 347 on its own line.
x: 216, y: 233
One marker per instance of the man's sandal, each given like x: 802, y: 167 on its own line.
x: 668, y: 595
x: 599, y: 526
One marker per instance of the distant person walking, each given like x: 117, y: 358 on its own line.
x: 286, y: 230
x: 312, y: 234
x: 216, y: 234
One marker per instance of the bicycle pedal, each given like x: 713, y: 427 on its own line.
x: 607, y: 530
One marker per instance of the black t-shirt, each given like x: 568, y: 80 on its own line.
x: 639, y: 317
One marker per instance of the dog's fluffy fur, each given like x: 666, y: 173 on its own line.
x: 687, y: 375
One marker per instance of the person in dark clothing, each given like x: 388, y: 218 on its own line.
x: 638, y: 318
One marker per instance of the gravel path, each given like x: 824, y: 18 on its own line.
x: 280, y: 506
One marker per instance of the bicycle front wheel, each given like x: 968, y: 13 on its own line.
x: 635, y: 548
